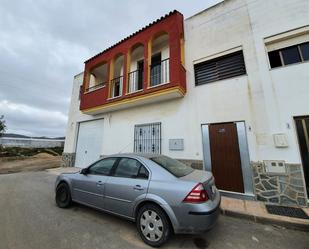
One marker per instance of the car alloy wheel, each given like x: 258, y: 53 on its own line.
x: 63, y: 196
x: 151, y: 225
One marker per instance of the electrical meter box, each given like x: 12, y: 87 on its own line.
x: 275, y: 166
x: 176, y: 144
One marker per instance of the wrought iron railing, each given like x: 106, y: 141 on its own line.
x: 117, y: 84
x: 136, y: 79
x: 147, y: 138
x: 96, y: 86
x: 160, y: 73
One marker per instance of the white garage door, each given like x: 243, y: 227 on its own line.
x: 89, y: 142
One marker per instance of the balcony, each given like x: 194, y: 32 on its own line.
x: 97, y: 78
x: 117, y: 84
x: 160, y: 73
x: 136, y: 79
x: 146, y: 67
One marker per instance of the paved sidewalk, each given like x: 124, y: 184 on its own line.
x: 252, y: 210
x: 256, y: 211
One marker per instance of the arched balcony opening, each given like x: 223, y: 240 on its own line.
x: 117, y: 76
x: 160, y: 53
x: 98, y: 77
x: 143, y: 68
x: 136, y: 68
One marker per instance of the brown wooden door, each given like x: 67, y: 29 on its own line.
x: 225, y: 157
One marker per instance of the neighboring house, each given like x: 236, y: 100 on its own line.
x: 226, y: 90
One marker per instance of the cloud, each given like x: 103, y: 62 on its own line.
x: 43, y: 44
x: 35, y: 121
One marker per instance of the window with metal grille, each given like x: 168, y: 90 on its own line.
x: 147, y: 138
x: 220, y: 68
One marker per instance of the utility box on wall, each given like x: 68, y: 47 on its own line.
x: 275, y: 166
x: 176, y: 144
x: 280, y: 140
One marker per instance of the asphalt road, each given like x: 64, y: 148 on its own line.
x: 30, y: 219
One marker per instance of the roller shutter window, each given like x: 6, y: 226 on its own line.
x: 220, y: 68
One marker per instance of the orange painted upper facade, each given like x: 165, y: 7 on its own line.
x: 144, y: 67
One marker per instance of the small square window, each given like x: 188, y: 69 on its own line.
x: 274, y: 59
x: 290, y: 55
x: 305, y: 51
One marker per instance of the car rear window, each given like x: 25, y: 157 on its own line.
x: 175, y: 167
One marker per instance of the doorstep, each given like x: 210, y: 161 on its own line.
x: 256, y: 211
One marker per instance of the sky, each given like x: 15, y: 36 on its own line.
x: 43, y: 44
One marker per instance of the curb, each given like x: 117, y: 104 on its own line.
x: 266, y: 220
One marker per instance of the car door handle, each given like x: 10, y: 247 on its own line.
x: 99, y: 183
x: 138, y: 187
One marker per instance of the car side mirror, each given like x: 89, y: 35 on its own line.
x: 84, y: 171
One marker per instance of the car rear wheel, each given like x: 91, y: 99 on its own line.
x: 63, y: 196
x: 153, y: 225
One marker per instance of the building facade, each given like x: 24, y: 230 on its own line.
x: 31, y: 142
x: 225, y: 90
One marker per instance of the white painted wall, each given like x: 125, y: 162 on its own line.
x: 161, y: 45
x: 92, y: 80
x: 265, y: 99
x: 118, y: 66
x: 285, y: 89
x: 136, y: 55
x: 74, y: 115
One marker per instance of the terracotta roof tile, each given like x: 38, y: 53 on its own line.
x: 135, y: 33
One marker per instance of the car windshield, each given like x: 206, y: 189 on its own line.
x: 175, y: 167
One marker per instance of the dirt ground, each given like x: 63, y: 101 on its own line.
x: 38, y: 162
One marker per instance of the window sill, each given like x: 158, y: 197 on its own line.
x: 289, y: 65
x: 138, y: 91
x: 162, y: 84
x: 116, y: 97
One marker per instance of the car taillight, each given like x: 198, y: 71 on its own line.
x: 197, y: 194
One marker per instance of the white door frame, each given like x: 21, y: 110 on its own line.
x: 244, y: 157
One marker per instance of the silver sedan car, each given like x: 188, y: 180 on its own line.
x: 161, y: 194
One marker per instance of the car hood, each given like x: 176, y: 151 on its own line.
x: 74, y: 171
x: 198, y: 176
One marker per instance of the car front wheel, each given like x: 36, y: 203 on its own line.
x: 153, y: 225
x: 63, y: 195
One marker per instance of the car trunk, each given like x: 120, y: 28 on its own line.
x: 204, y: 177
